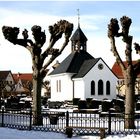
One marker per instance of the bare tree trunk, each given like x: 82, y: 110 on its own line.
x: 39, y: 65
x: 37, y: 84
x: 129, y: 99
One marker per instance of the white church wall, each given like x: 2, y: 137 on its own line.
x: 61, y: 87
x: 79, y: 89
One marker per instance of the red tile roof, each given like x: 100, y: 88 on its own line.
x: 117, y: 69
x: 23, y: 76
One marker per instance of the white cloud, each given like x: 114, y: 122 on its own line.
x: 23, y: 19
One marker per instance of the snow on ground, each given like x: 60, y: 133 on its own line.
x: 7, y: 133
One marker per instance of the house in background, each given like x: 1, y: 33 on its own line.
x: 7, y: 83
x: 15, y: 84
x: 23, y: 86
x: 120, y: 83
x: 80, y: 75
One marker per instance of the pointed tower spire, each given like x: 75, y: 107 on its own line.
x: 78, y: 39
x: 78, y: 18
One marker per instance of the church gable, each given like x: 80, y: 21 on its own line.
x: 94, y: 65
x: 98, y: 82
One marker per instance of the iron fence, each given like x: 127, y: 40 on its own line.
x: 58, y: 121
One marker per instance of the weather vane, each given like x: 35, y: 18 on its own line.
x: 78, y: 17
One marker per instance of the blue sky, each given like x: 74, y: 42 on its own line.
x: 94, y: 18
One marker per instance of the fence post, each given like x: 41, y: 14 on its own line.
x: 30, y: 113
x: 2, y: 117
x: 109, y: 123
x: 67, y: 119
x: 68, y: 129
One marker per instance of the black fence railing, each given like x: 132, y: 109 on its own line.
x: 58, y: 121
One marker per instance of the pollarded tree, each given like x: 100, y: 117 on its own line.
x: 129, y: 70
x: 39, y: 63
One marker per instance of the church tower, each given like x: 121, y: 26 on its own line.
x: 78, y: 39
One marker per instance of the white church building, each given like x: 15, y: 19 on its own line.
x: 80, y: 75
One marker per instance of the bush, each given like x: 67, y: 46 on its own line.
x: 88, y: 102
x: 119, y: 104
x: 94, y: 104
x: 82, y: 104
x: 138, y: 106
x: 106, y: 106
x: 55, y: 104
x: 44, y: 100
x: 75, y: 101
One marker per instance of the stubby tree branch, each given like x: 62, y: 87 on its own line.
x: 113, y: 29
x: 56, y: 32
x: 39, y: 36
x: 137, y: 48
x: 11, y: 34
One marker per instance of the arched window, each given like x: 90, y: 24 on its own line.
x: 92, y: 88
x: 100, y: 87
x: 107, y: 88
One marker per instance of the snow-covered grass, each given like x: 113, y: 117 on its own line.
x: 7, y: 133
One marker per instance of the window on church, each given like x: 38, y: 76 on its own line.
x: 107, y: 88
x: 100, y: 87
x: 58, y: 85
x: 92, y: 88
